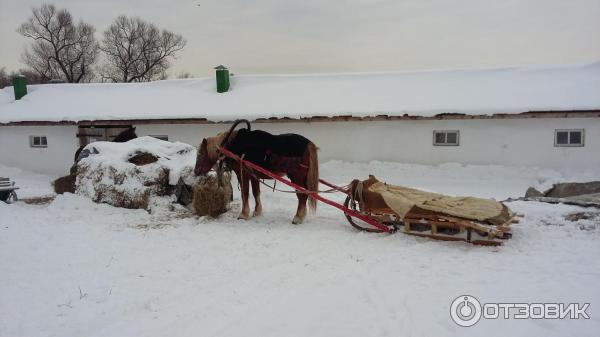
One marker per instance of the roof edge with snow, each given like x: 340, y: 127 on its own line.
x: 516, y: 92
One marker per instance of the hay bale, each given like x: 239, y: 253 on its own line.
x: 129, y: 174
x: 210, y: 198
x: 121, y: 186
x: 66, y: 184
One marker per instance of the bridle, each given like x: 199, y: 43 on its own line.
x: 221, y: 159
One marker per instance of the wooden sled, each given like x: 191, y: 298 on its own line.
x: 419, y: 222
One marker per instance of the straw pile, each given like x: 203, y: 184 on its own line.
x: 66, y: 184
x: 211, y: 199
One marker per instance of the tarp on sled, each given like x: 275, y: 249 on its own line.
x: 404, y: 200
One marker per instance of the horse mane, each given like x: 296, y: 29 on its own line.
x: 231, y: 133
x: 224, y: 138
x: 220, y: 140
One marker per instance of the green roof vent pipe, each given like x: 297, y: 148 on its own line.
x: 19, y: 83
x: 222, y: 78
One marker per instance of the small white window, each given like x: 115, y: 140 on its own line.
x: 161, y: 137
x: 569, y: 137
x: 38, y: 141
x: 446, y: 138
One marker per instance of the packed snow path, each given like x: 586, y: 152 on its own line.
x: 75, y: 268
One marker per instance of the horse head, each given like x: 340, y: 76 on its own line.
x: 208, y: 153
x: 203, y: 161
x: 125, y: 136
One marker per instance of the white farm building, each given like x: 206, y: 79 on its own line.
x: 523, y: 116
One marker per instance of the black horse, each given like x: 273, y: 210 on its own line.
x: 122, y: 137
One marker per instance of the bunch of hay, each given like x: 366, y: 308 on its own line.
x: 143, y: 158
x: 66, y: 184
x: 211, y: 198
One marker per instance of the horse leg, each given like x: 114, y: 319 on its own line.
x: 301, y: 210
x: 245, y: 182
x: 256, y: 194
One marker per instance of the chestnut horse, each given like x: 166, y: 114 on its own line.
x: 287, y: 154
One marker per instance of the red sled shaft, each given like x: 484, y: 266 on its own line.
x: 312, y: 194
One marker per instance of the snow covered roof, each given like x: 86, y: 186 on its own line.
x: 421, y: 93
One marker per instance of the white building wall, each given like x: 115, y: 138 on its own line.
x: 56, y: 159
x: 511, y: 142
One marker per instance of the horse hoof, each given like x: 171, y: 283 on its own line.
x: 243, y: 217
x: 256, y: 213
x: 297, y: 220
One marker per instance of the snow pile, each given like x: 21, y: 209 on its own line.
x: 420, y: 93
x: 108, y: 175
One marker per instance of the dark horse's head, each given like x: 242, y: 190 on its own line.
x: 125, y: 136
x: 208, y: 153
x: 122, y: 137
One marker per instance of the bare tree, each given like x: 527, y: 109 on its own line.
x: 184, y: 75
x: 31, y: 76
x: 4, y: 79
x: 137, y: 51
x: 61, y: 48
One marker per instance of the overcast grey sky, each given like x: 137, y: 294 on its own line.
x: 291, y: 36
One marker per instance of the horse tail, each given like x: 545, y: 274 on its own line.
x: 312, y: 176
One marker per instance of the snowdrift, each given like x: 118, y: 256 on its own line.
x: 129, y: 174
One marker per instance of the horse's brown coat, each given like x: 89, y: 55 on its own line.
x: 303, y: 171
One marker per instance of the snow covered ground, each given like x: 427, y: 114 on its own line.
x: 75, y: 268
